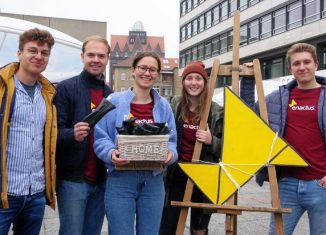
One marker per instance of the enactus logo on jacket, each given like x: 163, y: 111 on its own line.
x: 294, y: 106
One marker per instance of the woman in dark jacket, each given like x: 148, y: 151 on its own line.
x: 187, y: 110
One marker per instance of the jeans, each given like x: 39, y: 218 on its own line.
x: 301, y: 196
x: 131, y: 194
x: 25, y: 213
x: 81, y: 207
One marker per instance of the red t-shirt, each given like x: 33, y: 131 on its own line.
x: 303, y: 133
x: 188, y: 141
x: 95, y: 170
x: 143, y: 112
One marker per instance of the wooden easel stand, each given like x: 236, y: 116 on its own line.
x: 231, y: 209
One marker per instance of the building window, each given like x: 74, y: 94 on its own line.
x: 215, y: 46
x: 195, y: 3
x: 294, y: 15
x: 266, y: 26
x: 189, y: 30
x: 183, y: 8
x: 208, y: 19
x: 253, y: 27
x: 189, y: 5
x: 277, y: 66
x: 312, y: 10
x: 194, y: 53
x: 230, y: 40
x: 224, y: 10
x: 233, y: 7
x: 323, y: 65
x: 274, y: 68
x: 188, y: 52
x: 194, y: 27
x: 243, y: 35
x: 157, y: 88
x: 122, y: 89
x: 122, y: 76
x: 279, y: 18
x: 208, y: 49
x: 167, y: 91
x: 183, y: 34
x: 216, y: 15
x: 324, y: 8
x: 126, y: 55
x: 201, y: 23
x: 182, y: 60
x: 224, y: 43
x: 200, y: 52
x: 253, y: 2
x: 243, y: 4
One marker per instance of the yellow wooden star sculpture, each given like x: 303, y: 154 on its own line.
x: 248, y: 145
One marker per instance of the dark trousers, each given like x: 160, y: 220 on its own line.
x: 176, y: 187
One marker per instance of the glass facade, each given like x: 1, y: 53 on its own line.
x: 279, y: 20
x: 294, y: 15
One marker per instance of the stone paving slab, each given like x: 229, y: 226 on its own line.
x: 248, y: 222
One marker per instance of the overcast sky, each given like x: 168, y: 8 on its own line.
x: 159, y: 17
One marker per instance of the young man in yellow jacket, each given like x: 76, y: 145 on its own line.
x: 28, y: 136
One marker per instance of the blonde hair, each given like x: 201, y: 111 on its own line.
x: 97, y: 39
x: 301, y: 47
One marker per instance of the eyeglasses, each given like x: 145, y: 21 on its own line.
x: 143, y: 69
x: 34, y: 52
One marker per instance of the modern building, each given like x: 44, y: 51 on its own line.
x: 79, y: 29
x: 267, y: 29
x: 123, y: 50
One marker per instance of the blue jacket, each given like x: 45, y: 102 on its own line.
x: 105, y: 131
x: 73, y: 103
x: 277, y: 103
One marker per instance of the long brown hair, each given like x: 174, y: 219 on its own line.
x: 185, y: 104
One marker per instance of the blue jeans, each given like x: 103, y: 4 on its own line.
x: 81, y: 207
x: 25, y: 213
x: 301, y: 196
x: 130, y: 195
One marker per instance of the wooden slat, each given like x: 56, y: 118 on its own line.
x: 231, y: 219
x: 271, y: 169
x: 232, y: 207
x: 226, y: 71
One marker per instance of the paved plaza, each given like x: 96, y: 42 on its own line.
x: 248, y: 223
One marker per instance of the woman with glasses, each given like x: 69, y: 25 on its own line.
x: 188, y: 110
x: 135, y: 193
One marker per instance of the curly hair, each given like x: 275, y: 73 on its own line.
x: 41, y: 36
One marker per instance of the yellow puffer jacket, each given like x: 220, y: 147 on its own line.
x: 7, y: 88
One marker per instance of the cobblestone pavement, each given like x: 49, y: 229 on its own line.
x: 248, y: 223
